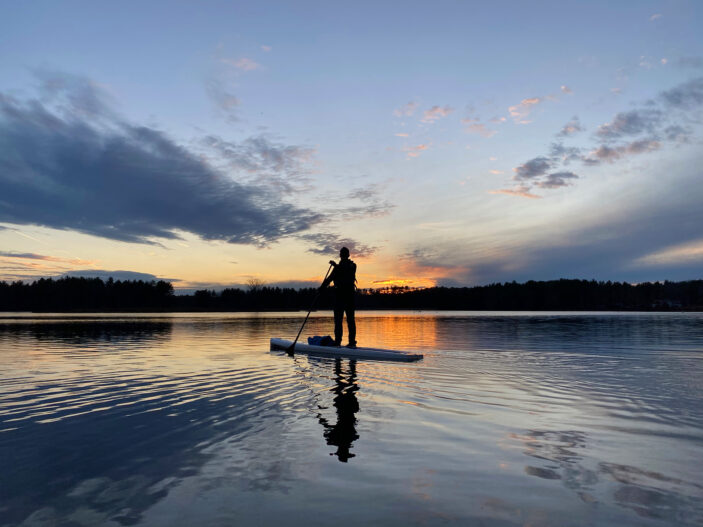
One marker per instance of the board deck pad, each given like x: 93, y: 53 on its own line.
x: 352, y: 353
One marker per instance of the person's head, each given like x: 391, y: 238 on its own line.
x: 344, y: 252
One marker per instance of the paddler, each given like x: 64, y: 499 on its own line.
x: 344, y: 277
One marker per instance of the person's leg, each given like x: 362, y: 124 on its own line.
x: 338, y: 318
x: 351, y: 322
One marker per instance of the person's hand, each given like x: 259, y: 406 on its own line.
x: 332, y: 262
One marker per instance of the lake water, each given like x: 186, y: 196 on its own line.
x: 511, y: 419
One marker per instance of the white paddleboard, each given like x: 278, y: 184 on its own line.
x: 351, y: 353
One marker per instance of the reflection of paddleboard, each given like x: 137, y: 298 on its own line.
x: 351, y: 353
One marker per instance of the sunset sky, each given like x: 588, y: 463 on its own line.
x: 453, y: 143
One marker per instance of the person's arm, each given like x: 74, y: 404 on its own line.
x: 331, y: 275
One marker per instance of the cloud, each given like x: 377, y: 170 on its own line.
x: 57, y: 259
x: 266, y: 49
x: 406, y: 110
x: 116, y: 275
x: 375, y: 209
x: 520, y: 191
x: 533, y: 168
x: 655, y: 16
x: 480, y: 129
x: 521, y: 111
x: 653, y: 235
x: 677, y: 133
x: 566, y: 89
x: 556, y: 180
x: 243, y: 64
x: 564, y: 154
x: 402, y: 134
x: 496, y: 172
x: 414, y: 151
x: 435, y: 113
x: 572, y: 127
x: 271, y: 164
x: 225, y: 101
x: 367, y: 193
x: 329, y: 244
x: 685, y: 96
x: 109, y: 178
x: 630, y: 123
x: 612, y: 154
x: 687, y: 253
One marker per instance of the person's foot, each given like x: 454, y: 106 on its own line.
x: 351, y: 345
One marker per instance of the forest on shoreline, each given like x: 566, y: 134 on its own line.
x: 71, y: 294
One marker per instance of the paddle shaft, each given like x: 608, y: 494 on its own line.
x: 291, y: 349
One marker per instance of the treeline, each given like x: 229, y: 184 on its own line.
x: 86, y: 294
x: 94, y: 294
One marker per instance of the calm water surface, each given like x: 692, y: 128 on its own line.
x: 511, y: 419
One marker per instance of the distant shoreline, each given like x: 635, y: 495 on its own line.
x: 95, y: 295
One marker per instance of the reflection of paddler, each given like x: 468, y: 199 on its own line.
x: 343, y: 433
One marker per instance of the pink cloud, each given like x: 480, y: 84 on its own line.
x: 414, y: 151
x: 519, y: 112
x: 435, y: 113
x: 522, y: 191
x: 480, y: 128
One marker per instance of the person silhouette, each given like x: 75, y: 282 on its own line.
x: 344, y: 277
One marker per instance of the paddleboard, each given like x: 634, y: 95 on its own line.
x: 351, y: 353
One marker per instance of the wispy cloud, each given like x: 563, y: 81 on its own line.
x: 266, y: 49
x: 566, y: 89
x: 686, y: 253
x: 225, y: 101
x: 480, y: 129
x: 415, y: 151
x: 572, y: 127
x: 402, y: 134
x: 520, y: 191
x: 521, y: 111
x: 325, y: 243
x: 685, y: 96
x: 630, y: 123
x: 244, y: 64
x: 435, y: 113
x: 655, y: 16
x: 609, y: 154
x: 267, y: 162
x: 57, y: 259
x: 406, y: 110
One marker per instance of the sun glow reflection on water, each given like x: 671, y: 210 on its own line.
x: 511, y: 419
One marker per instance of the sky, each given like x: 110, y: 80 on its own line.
x: 449, y: 143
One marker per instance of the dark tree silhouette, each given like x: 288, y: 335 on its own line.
x: 94, y: 294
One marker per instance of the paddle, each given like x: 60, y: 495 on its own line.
x: 291, y: 348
